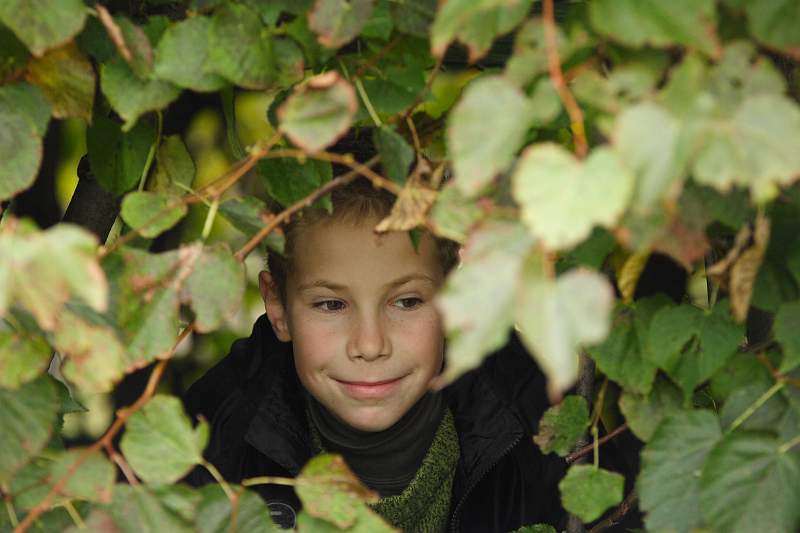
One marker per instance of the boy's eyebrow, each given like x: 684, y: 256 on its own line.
x: 326, y: 284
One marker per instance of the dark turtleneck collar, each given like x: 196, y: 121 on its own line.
x: 386, y: 461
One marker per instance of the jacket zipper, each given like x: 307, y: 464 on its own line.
x: 456, y: 519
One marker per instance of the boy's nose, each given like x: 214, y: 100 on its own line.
x: 368, y: 339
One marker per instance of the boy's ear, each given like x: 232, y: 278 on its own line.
x: 276, y: 312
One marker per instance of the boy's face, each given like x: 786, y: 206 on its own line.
x: 359, y: 311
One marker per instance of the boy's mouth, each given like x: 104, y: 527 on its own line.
x: 362, y: 390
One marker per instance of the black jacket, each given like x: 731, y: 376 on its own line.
x: 255, y: 404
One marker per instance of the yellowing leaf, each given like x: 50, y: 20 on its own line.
x: 67, y: 79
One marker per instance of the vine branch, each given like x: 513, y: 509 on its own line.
x: 585, y: 450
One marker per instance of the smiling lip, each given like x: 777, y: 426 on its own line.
x: 366, y: 390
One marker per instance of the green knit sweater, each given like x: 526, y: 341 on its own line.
x: 424, y: 505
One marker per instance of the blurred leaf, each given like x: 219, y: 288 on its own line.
x: 644, y: 412
x: 337, y: 22
x: 771, y: 22
x: 745, y: 474
x: 141, y: 509
x: 26, y: 416
x: 622, y: 356
x: 413, y: 16
x: 27, y: 100
x: 587, y: 491
x: 786, y: 327
x: 132, y: 97
x: 743, y: 72
x: 13, y: 54
x: 215, y: 515
x: 318, y: 112
x: 289, y: 181
x: 453, y: 215
x: 24, y: 355
x: 400, y: 79
x: 215, y: 287
x: 409, y: 210
x: 545, y: 103
x: 239, y: 51
x: 138, y: 45
x: 159, y: 441
x: 489, y: 104
x: 248, y: 214
x: 741, y: 370
x: 20, y: 142
x: 488, y: 279
x: 563, y: 425
x: 92, y: 481
x: 117, y: 158
x: 560, y: 196
x: 745, y: 268
x: 766, y: 418
x: 691, y: 344
x: 629, y: 272
x: 182, y: 55
x: 379, y: 25
x: 174, y: 167
x: 43, y: 24
x: 152, y: 213
x: 639, y: 22
x: 67, y: 79
x: 475, y: 24
x: 557, y: 317
x: 329, y: 490
x: 668, y: 484
x: 396, y: 154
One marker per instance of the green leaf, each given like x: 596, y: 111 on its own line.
x: 329, y: 490
x: 396, y: 154
x: 587, y: 491
x: 769, y: 126
x: 563, y: 425
x: 215, y: 514
x: 248, y: 214
x: 67, y: 79
x: 159, y: 441
x: 239, y: 51
x: 622, y: 356
x: 475, y: 24
x: 26, y: 416
x: 20, y: 145
x: 741, y: 370
x: 138, y: 44
x: 141, y: 509
x: 545, y: 103
x: 117, y: 158
x: 691, y: 344
x: 182, y: 55
x: 93, y: 480
x: 175, y: 170
x: 644, y: 413
x: 668, y: 483
x: 152, y: 213
x: 489, y: 104
x: 639, y: 22
x: 318, y: 112
x: 536, y: 528
x: 413, y: 16
x: 648, y: 139
x: 745, y: 474
x: 14, y: 55
x: 288, y: 180
x: 771, y: 22
x: 766, y: 417
x: 215, y: 287
x: 132, y: 97
x: 337, y: 22
x: 43, y: 24
x: 453, y: 215
x: 558, y: 194
x: 402, y: 79
x: 743, y: 72
x: 380, y: 24
x: 23, y: 356
x: 786, y: 327
x: 488, y: 280
x: 27, y: 100
x: 557, y: 317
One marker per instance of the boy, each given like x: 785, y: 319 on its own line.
x: 342, y: 362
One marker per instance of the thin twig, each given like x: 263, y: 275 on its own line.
x: 122, y: 417
x: 284, y: 215
x: 615, y: 517
x: 577, y: 454
x: 114, y: 32
x: 557, y: 78
x: 123, y: 465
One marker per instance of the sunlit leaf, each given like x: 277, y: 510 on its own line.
x: 338, y: 21
x: 182, y: 54
x: 152, y: 213
x: 160, y: 443
x: 587, y: 491
x: 563, y: 425
x: 67, y: 79
x: 43, y: 24
x: 489, y: 104
x: 453, y: 215
x: 318, y: 112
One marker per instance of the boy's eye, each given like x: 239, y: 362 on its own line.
x: 330, y: 305
x: 408, y: 303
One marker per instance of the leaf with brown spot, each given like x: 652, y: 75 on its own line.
x: 337, y: 22
x: 682, y: 243
x: 67, y: 80
x: 744, y: 271
x: 409, y: 210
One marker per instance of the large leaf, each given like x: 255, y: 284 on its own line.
x: 691, y: 344
x: 668, y: 483
x: 488, y: 280
x: 587, y: 491
x: 453, y: 215
x: 175, y: 168
x: 562, y: 199
x: 289, y: 181
x: 182, y: 55
x: 490, y: 104
x: 23, y: 356
x: 215, y: 514
x: 557, y: 317
x: 92, y: 481
x: 141, y: 509
x: 563, y: 425
x: 318, y: 112
x: 638, y: 22
x: 67, y: 79
x: 29, y: 101
x: 771, y: 22
x: 160, y: 443
x: 27, y: 416
x: 130, y: 96
x: 475, y: 23
x: 20, y: 144
x: 215, y: 287
x: 117, y: 158
x: 43, y: 24
x: 746, y: 474
x: 152, y: 213
x: 339, y: 21
x: 644, y: 413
